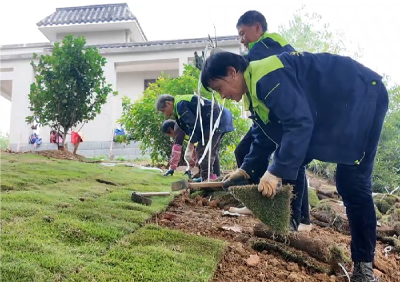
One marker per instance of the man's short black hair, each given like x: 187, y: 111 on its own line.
x: 251, y: 18
x: 167, y: 125
x: 216, y: 67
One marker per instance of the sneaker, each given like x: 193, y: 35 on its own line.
x: 304, y: 227
x: 199, y: 179
x: 243, y: 210
x: 363, y: 272
x: 213, y: 177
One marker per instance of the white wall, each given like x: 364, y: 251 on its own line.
x: 23, y: 77
x: 131, y: 84
x: 99, y: 37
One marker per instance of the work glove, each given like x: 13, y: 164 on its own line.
x: 269, y: 183
x: 189, y: 153
x: 238, y: 177
x: 169, y: 172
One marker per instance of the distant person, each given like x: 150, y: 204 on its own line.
x: 184, y: 109
x: 171, y: 128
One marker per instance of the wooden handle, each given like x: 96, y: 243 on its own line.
x: 199, y: 185
x: 152, y: 194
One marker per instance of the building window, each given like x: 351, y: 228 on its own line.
x: 147, y: 82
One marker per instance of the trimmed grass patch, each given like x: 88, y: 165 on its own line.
x: 156, y: 254
x: 60, y: 224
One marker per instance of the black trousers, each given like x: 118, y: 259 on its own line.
x: 200, y: 151
x: 353, y: 183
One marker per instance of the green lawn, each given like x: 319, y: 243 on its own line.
x: 58, y: 223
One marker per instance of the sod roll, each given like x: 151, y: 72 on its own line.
x: 273, y: 212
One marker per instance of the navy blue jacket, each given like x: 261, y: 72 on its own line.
x: 325, y: 104
x: 269, y: 44
x: 185, y: 110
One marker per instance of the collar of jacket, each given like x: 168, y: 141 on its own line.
x: 251, y: 44
x: 258, y: 106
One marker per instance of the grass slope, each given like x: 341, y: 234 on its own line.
x: 60, y: 224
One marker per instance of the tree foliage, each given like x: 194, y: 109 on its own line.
x: 308, y: 32
x: 4, y: 141
x: 70, y: 87
x: 387, y: 164
x: 143, y: 122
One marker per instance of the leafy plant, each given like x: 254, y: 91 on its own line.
x: 387, y: 164
x: 4, y: 141
x: 308, y: 32
x: 70, y: 87
x: 143, y: 122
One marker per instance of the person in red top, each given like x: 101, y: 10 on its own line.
x: 171, y: 128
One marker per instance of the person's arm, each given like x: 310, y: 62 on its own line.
x: 175, y: 156
x: 282, y: 94
x: 254, y: 158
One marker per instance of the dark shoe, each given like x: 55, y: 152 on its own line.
x: 293, y: 225
x: 363, y: 272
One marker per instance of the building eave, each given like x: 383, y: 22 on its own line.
x: 135, y: 47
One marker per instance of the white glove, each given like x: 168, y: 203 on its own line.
x: 188, y: 154
x: 268, y: 184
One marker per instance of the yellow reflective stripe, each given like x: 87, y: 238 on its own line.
x: 254, y: 72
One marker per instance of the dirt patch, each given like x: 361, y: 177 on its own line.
x: 58, y: 154
x: 63, y: 155
x: 204, y: 217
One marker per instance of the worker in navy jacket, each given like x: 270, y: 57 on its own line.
x: 184, y: 109
x: 252, y: 29
x: 330, y: 108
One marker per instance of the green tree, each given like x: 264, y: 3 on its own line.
x: 308, y: 32
x: 143, y: 123
x: 387, y: 163
x: 70, y: 87
x: 4, y: 141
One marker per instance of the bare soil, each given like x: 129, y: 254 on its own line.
x: 204, y: 217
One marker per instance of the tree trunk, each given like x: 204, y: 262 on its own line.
x: 316, y: 248
x: 62, y: 146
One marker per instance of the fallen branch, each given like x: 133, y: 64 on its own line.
x: 391, y: 241
x: 316, y: 248
x: 291, y: 254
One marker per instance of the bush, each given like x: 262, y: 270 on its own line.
x: 4, y: 141
x: 322, y: 169
x: 387, y: 164
x: 143, y: 122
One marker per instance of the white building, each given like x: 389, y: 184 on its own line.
x: 132, y: 62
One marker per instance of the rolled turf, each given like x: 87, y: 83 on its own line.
x: 273, y: 212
